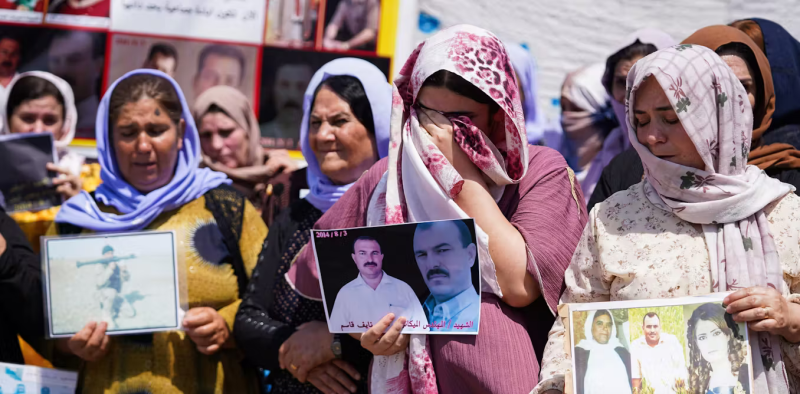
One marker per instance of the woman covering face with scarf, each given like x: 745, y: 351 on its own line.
x: 701, y: 221
x: 458, y: 149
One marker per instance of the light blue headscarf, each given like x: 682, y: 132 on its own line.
x: 323, y: 193
x: 138, y: 210
x: 525, y: 67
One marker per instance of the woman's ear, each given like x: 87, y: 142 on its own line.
x: 181, y: 132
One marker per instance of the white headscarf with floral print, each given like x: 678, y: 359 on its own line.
x: 420, y: 183
x: 728, y: 196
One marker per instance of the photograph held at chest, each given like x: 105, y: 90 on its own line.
x: 722, y: 225
x: 455, y: 114
x: 149, y: 153
x: 344, y: 131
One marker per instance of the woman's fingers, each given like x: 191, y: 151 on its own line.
x: 96, y: 340
x: 369, y: 338
x: 390, y: 338
x: 330, y: 379
x: 348, y: 368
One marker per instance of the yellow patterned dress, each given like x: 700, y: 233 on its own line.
x: 168, y: 362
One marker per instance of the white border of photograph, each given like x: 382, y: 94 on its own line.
x: 405, y: 330
x: 98, y: 22
x: 27, y: 17
x: 651, y: 303
x: 179, y: 312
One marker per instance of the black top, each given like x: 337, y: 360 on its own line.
x: 271, y: 309
x: 626, y: 170
x: 21, y: 301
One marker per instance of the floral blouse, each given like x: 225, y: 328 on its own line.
x: 632, y: 250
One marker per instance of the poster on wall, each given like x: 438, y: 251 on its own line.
x: 268, y: 49
x: 195, y: 65
x: 225, y: 20
x: 77, y: 56
x: 285, y: 75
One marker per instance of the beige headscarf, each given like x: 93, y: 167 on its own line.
x: 237, y: 107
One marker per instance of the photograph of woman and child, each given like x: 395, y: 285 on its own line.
x: 684, y: 349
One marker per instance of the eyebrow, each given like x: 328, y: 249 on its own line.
x: 659, y: 109
x: 459, y: 113
x: 340, y: 113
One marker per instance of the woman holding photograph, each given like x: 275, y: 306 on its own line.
x: 230, y: 140
x: 40, y: 102
x: 701, y: 221
x: 717, y: 355
x: 345, y: 130
x: 600, y: 357
x: 149, y: 152
x: 446, y: 111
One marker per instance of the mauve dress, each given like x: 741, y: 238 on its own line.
x: 548, y: 209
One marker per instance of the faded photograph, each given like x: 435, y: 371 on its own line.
x: 127, y: 281
x: 291, y: 23
x: 351, y: 25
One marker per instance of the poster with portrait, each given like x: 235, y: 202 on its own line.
x: 128, y: 280
x: 25, y: 182
x: 77, y: 56
x: 426, y: 273
x: 240, y: 21
x: 195, y: 65
x: 677, y: 345
x: 85, y: 13
x: 351, y: 25
x: 285, y: 74
x: 292, y: 23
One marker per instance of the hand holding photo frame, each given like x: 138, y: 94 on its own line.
x: 427, y: 273
x: 677, y: 345
x: 132, y: 281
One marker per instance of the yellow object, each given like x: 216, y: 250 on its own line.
x: 35, y: 224
x: 168, y: 362
x: 31, y: 356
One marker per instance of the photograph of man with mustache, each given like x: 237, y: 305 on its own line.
x: 10, y: 54
x: 374, y: 294
x: 291, y: 81
x: 445, y: 255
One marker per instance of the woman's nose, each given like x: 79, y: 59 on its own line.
x: 654, y: 135
x: 38, y: 127
x: 217, y: 142
x: 143, y: 143
x: 326, y: 132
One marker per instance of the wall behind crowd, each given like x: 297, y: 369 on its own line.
x: 268, y: 49
x: 565, y: 35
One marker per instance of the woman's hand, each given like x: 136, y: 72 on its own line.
x: 765, y: 309
x: 307, y: 348
x: 207, y: 329
x: 91, y: 342
x: 440, y: 130
x: 389, y: 343
x: 67, y: 184
x: 334, y: 377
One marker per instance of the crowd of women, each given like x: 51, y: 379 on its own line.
x: 684, y: 152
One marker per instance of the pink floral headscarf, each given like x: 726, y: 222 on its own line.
x: 420, y: 183
x: 728, y: 196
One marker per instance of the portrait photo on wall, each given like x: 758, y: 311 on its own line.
x: 292, y: 23
x: 284, y: 78
x: 195, y: 65
x: 90, y: 13
x: 427, y: 273
x: 351, y: 25
x: 129, y: 281
x: 679, y: 345
x: 76, y: 56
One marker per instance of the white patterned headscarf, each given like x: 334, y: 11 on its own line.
x: 727, y: 197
